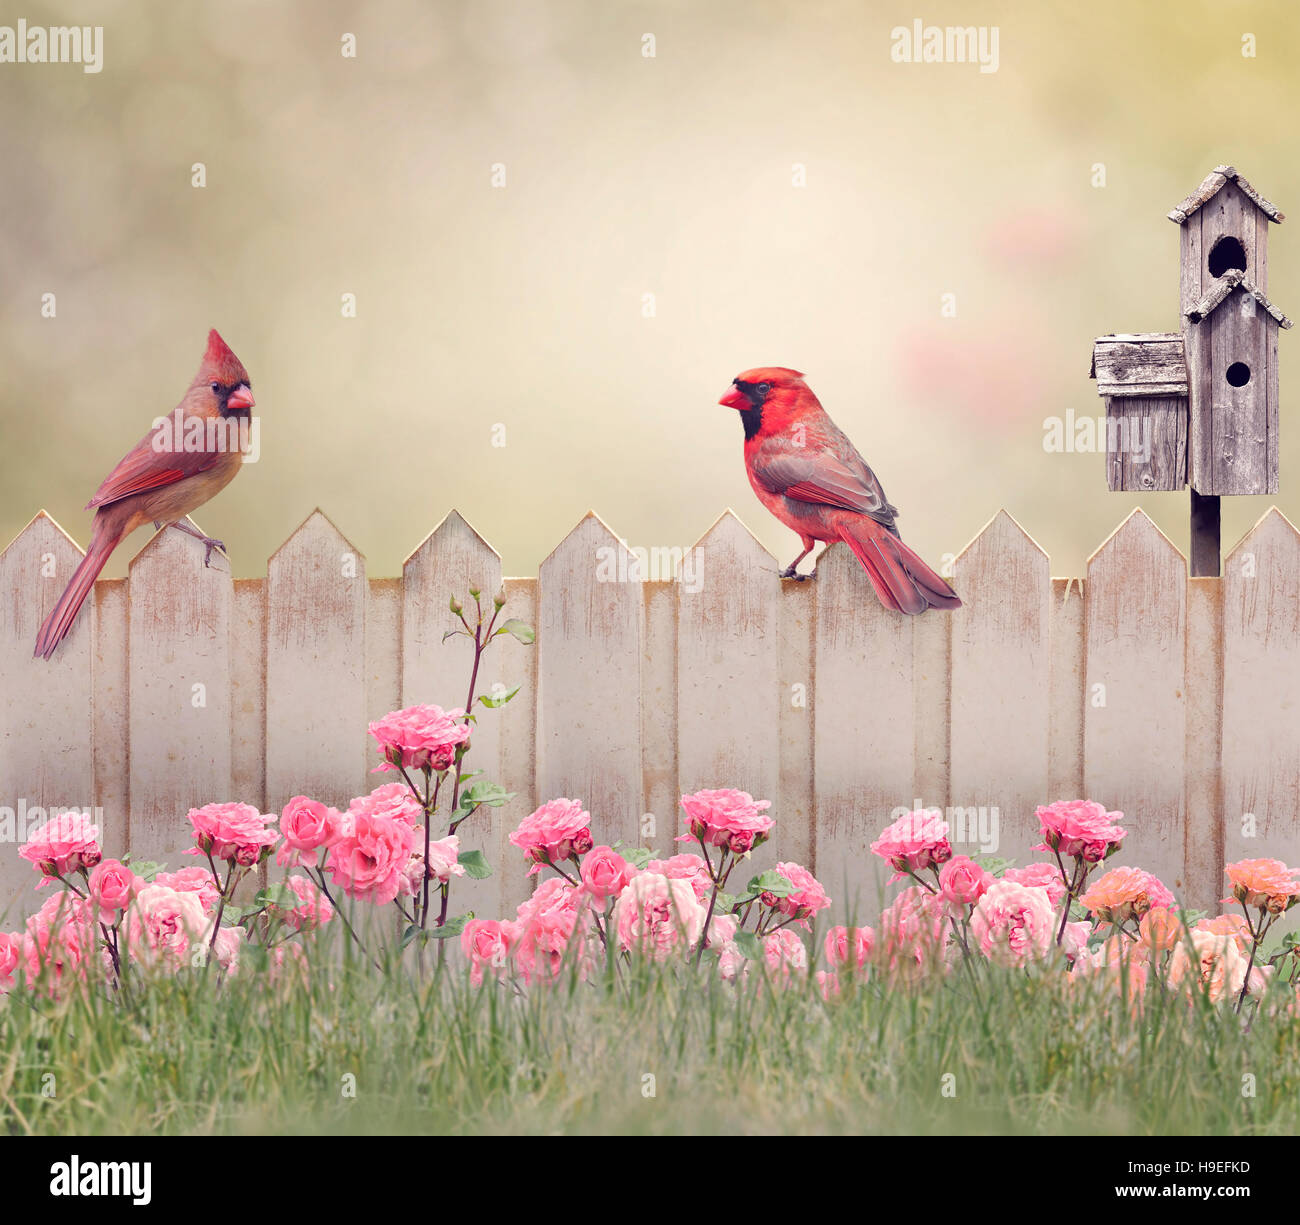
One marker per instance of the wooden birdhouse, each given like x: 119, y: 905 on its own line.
x: 1199, y: 406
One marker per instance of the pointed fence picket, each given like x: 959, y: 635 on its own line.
x: 1171, y: 700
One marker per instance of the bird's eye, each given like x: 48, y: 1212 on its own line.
x: 765, y: 387
x: 216, y: 388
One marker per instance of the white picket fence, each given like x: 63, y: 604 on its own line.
x: 1172, y: 699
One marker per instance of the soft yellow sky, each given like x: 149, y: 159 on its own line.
x: 522, y: 306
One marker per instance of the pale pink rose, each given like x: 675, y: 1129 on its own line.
x: 687, y: 867
x: 1074, y: 940
x: 369, y: 860
x: 1233, y: 925
x: 59, y: 942
x: 162, y: 924
x: 849, y: 948
x: 727, y: 818
x: 1080, y: 829
x: 1266, y: 883
x: 229, y: 944
x: 915, y: 841
x: 913, y: 931
x: 66, y: 843
x: 785, y: 955
x: 444, y: 859
x: 420, y: 738
x: 1208, y: 962
x: 1013, y: 923
x: 658, y: 916
x: 806, y: 900
x: 732, y: 964
x: 487, y: 944
x: 192, y: 880
x: 11, y: 949
x: 313, y: 908
x: 306, y: 826
x: 722, y: 930
x: 553, y: 833
x: 963, y: 882
x: 828, y: 983
x: 112, y: 885
x: 236, y: 833
x: 1260, y: 977
x: 1039, y: 875
x: 605, y: 873
x: 392, y: 801
x: 1125, y: 893
x: 552, y: 925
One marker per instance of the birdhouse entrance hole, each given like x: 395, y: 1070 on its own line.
x: 1225, y: 255
x: 1238, y: 374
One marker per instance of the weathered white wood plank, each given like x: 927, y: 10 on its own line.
x: 1134, y: 705
x: 111, y: 748
x: 591, y: 633
x: 1001, y: 689
x: 1261, y: 684
x: 796, y: 687
x: 180, y: 720
x: 863, y: 732
x: 661, y: 815
x: 518, y: 749
x: 1065, y: 738
x: 316, y: 741
x: 452, y: 559
x: 46, y: 712
x: 1203, y: 845
x: 727, y: 669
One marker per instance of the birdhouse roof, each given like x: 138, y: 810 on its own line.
x: 1216, y: 181
x: 1139, y: 364
x: 1222, y: 290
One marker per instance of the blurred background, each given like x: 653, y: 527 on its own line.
x: 518, y: 313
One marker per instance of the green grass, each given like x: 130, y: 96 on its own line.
x: 1025, y: 1056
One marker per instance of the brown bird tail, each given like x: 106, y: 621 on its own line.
x: 59, y: 622
x: 901, y: 579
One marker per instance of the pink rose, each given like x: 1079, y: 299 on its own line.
x: 806, y: 900
x: 1079, y: 829
x: 312, y: 910
x: 915, y: 841
x: 963, y: 882
x: 553, y: 833
x: 843, y: 947
x: 444, y: 859
x: 11, y: 948
x: 420, y: 738
x: 605, y: 873
x: 192, y: 880
x: 306, y: 826
x: 368, y: 861
x: 235, y: 832
x: 1041, y: 875
x: 112, y: 886
x: 785, y: 955
x: 690, y: 868
x: 487, y: 944
x: 657, y: 916
x: 551, y: 925
x: 726, y: 818
x: 1013, y: 923
x: 161, y: 924
x: 392, y: 801
x: 66, y: 843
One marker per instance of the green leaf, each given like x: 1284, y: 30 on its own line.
x: 146, y: 868
x: 475, y: 864
x: 493, y: 703
x: 727, y: 901
x: 521, y: 631
x: 280, y: 895
x: 771, y: 882
x: 993, y: 864
x: 482, y: 792
x: 750, y: 946
x: 637, y: 856
x: 452, y: 927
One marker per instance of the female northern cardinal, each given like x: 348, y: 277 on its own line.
x: 183, y: 461
x: 808, y: 474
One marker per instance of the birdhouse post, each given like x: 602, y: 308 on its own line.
x: 1199, y: 407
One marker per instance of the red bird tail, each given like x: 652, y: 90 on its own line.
x: 901, y: 579
x: 59, y: 622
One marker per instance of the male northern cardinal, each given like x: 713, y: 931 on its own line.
x: 808, y: 474
x: 182, y: 462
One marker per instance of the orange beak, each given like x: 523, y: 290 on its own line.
x: 735, y: 398
x: 241, y: 398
